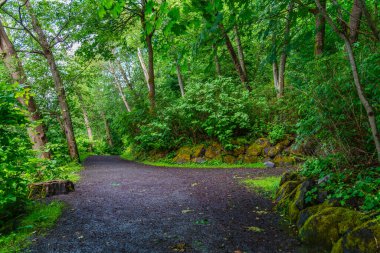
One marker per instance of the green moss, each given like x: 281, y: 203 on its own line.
x: 266, y: 185
x: 285, y: 189
x: 254, y: 150
x: 198, y: 150
x: 363, y: 239
x: 40, y: 218
x: 328, y: 225
x: 280, y: 160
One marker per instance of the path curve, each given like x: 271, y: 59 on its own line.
x: 123, y: 206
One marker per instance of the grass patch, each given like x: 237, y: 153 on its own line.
x: 40, y: 217
x: 264, y: 185
x: 165, y: 162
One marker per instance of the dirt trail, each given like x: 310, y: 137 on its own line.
x: 122, y: 206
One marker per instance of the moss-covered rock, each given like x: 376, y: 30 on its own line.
x: 251, y: 159
x: 263, y: 142
x: 214, y: 151
x: 229, y: 159
x: 285, y: 189
x: 290, y: 176
x: 183, y: 155
x: 327, y: 226
x: 239, y: 151
x: 306, y: 213
x: 280, y: 160
x: 182, y: 158
x: 363, y: 239
x: 254, y: 150
x: 199, y: 150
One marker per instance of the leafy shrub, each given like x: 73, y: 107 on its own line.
x: 276, y: 134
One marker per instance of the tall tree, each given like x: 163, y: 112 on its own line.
x: 46, y: 47
x: 13, y: 64
x: 354, y: 69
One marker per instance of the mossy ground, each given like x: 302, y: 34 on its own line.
x: 264, y: 185
x: 40, y: 217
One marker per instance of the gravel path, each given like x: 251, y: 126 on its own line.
x: 122, y: 206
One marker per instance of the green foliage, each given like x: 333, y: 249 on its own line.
x: 40, y: 218
x: 276, y: 134
x: 351, y: 187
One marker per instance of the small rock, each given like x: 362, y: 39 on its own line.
x: 269, y: 164
x: 323, y: 179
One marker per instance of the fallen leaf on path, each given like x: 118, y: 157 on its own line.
x: 255, y: 229
x: 194, y: 184
x: 187, y: 211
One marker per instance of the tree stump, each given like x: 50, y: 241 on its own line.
x: 50, y: 188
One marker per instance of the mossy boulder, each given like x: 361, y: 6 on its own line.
x: 280, y: 160
x: 254, y: 150
x: 263, y: 142
x: 327, y: 226
x: 290, y: 176
x: 306, y: 213
x: 251, y: 159
x: 183, y: 155
x: 229, y: 159
x: 239, y: 151
x: 214, y: 151
x: 363, y: 239
x: 285, y: 189
x: 271, y: 151
x: 199, y: 150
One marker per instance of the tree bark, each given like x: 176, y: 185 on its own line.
x: 240, y: 50
x: 124, y: 75
x: 119, y: 88
x: 66, y: 117
x: 85, y: 117
x: 284, y: 54
x: 152, y: 88
x: 180, y: 79
x: 359, y: 88
x: 372, y: 23
x: 108, y: 130
x: 320, y: 31
x: 13, y: 64
x: 143, y: 66
x: 275, y: 75
x: 234, y: 58
x: 355, y: 16
x: 216, y: 60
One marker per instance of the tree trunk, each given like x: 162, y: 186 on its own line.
x: 275, y: 75
x: 359, y: 88
x: 124, y: 75
x: 43, y: 42
x: 13, y: 64
x: 284, y: 54
x: 372, y: 23
x: 356, y: 14
x: 216, y: 60
x: 234, y: 58
x: 240, y: 50
x: 152, y: 88
x: 119, y: 88
x: 143, y: 66
x: 180, y: 79
x: 363, y: 99
x: 86, y: 119
x: 320, y: 30
x: 108, y: 131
